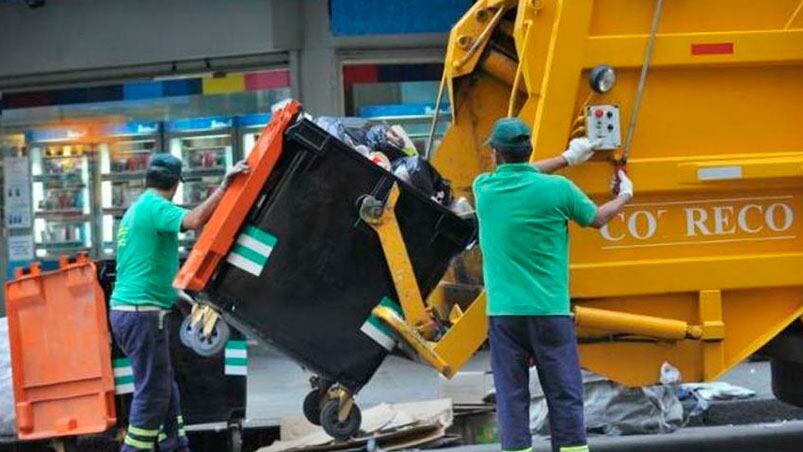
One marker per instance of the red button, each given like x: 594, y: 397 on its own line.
x: 598, y: 113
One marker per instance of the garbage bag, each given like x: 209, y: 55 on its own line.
x: 7, y: 426
x: 381, y: 138
x: 335, y: 127
x: 613, y: 409
x: 420, y: 174
x: 392, y: 141
x: 350, y: 130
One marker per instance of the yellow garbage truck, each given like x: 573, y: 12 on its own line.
x: 701, y: 102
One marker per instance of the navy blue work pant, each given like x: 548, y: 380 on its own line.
x: 551, y: 342
x: 155, y: 414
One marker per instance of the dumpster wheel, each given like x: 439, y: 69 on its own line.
x: 212, y: 344
x: 338, y: 429
x: 186, y: 331
x: 312, y: 407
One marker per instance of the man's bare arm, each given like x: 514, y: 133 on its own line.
x: 624, y: 191
x: 550, y: 165
x: 197, y: 218
x: 580, y: 150
x: 609, y: 210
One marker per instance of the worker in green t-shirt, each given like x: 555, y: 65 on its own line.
x: 523, y: 214
x: 147, y: 262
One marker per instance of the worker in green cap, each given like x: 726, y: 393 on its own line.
x: 523, y: 212
x: 147, y: 262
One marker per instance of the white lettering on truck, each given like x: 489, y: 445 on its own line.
x: 701, y: 221
x: 641, y: 225
x: 777, y: 217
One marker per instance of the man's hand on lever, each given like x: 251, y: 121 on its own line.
x: 622, y: 188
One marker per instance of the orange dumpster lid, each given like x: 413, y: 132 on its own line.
x: 220, y: 232
x: 60, y: 351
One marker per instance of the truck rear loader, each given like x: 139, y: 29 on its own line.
x: 700, y: 101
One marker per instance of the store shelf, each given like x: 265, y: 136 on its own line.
x: 194, y: 135
x: 201, y: 172
x: 66, y: 177
x: 64, y: 216
x: 63, y: 157
x: 118, y: 144
x: 63, y: 246
x: 114, y: 210
x: 123, y: 175
x: 205, y: 148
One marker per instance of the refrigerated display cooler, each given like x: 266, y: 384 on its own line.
x: 124, y: 151
x: 248, y: 129
x: 206, y: 146
x: 62, y: 168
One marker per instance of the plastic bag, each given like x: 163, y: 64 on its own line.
x: 381, y: 138
x: 613, y: 409
x: 420, y: 174
x: 335, y: 127
x: 392, y: 141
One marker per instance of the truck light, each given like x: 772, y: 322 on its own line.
x: 602, y: 78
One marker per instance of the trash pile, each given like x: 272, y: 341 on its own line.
x: 384, y: 427
x: 614, y: 409
x: 390, y: 147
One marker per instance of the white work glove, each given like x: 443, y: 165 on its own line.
x: 621, y: 185
x: 580, y: 150
x: 240, y: 167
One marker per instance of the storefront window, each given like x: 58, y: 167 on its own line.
x: 402, y: 94
x: 87, y: 149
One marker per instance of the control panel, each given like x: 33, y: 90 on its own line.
x: 602, y: 123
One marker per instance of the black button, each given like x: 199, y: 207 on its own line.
x: 610, y: 127
x: 609, y: 114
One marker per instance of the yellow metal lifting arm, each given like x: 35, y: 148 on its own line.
x: 467, y: 331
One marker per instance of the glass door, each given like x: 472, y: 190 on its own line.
x: 61, y: 167
x: 249, y: 128
x: 205, y: 146
x: 124, y: 150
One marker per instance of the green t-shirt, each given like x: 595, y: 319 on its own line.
x: 147, y: 252
x: 524, y: 238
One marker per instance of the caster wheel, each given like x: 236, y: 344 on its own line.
x: 68, y: 444
x: 340, y: 431
x: 186, y: 331
x: 312, y: 407
x: 235, y: 438
x: 214, y: 344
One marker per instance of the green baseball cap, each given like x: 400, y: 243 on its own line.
x: 510, y: 135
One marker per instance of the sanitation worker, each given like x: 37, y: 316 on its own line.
x: 523, y: 214
x: 147, y: 262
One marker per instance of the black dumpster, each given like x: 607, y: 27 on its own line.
x: 306, y: 271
